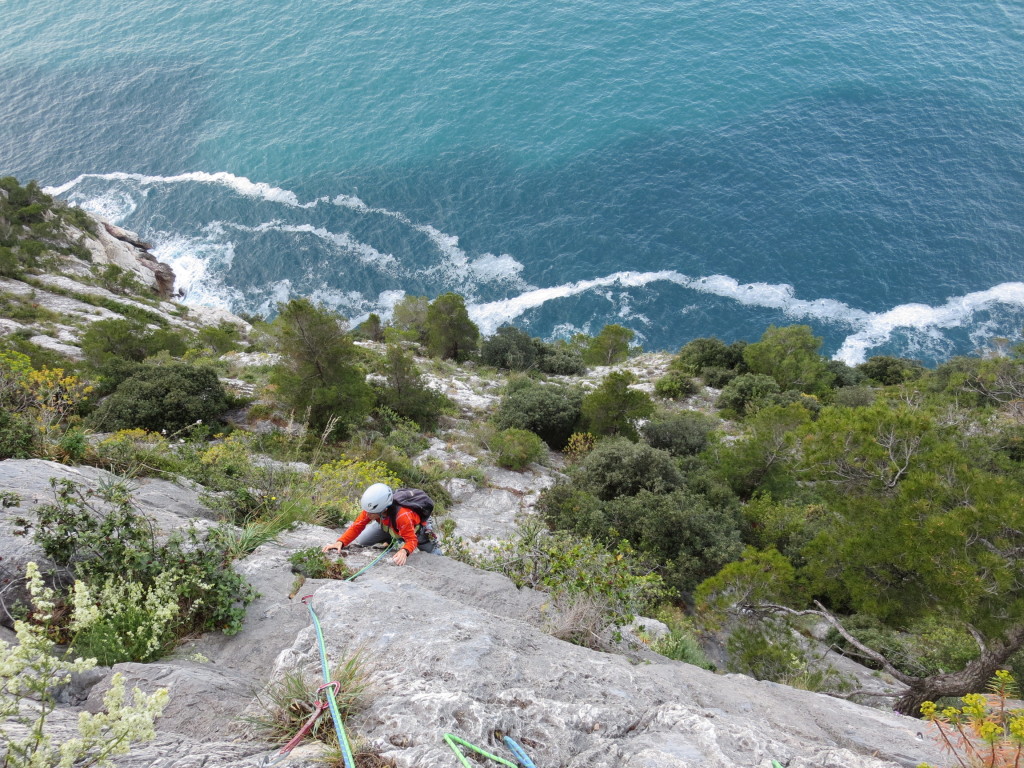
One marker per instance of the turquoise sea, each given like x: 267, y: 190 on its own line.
x: 682, y: 167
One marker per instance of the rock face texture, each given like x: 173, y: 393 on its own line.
x: 113, y: 245
x: 450, y: 649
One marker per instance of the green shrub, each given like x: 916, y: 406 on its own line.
x: 559, y: 359
x: 889, y: 371
x: 509, y: 348
x: 718, y: 378
x: 167, y: 397
x: 690, y: 538
x: 17, y: 436
x: 698, y: 356
x: 747, y: 391
x: 675, y: 385
x: 406, y: 393
x: 550, y: 411
x: 102, y: 537
x: 574, y: 566
x: 614, y: 408
x: 618, y: 467
x: 610, y: 346
x: 682, y: 646
x: 684, y: 433
x: 34, y: 670
x: 125, y: 620
x: 929, y: 646
x: 118, y: 338
x: 313, y: 563
x: 515, y: 448
x: 568, y: 508
x: 222, y: 338
x: 768, y: 651
x: 854, y: 397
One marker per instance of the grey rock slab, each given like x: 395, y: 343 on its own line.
x: 448, y: 658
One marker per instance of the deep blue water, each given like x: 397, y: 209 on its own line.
x: 684, y: 168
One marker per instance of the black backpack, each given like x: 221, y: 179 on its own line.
x: 415, y: 499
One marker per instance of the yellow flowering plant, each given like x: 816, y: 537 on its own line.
x: 339, y: 485
x: 985, y: 732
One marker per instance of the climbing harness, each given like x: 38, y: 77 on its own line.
x: 522, y: 761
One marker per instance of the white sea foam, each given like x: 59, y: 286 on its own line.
x: 200, y: 264
x: 114, y: 206
x: 871, y: 329
x: 365, y: 252
x: 456, y: 269
x: 240, y: 184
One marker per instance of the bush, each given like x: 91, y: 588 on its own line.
x: 682, y: 434
x: 104, y: 540
x: 509, y: 348
x: 675, y: 385
x: 17, y: 436
x: 747, y: 391
x: 769, y: 651
x: 313, y: 563
x: 682, y: 646
x: 221, y: 338
x: 576, y: 566
x: 515, y: 448
x: 168, y: 397
x: 699, y: 355
x: 579, y: 445
x: 614, y: 408
x: 889, y: 371
x: 339, y: 485
x: 718, y: 378
x: 559, y: 359
x: 610, y: 346
x: 32, y: 672
x: 550, y: 411
x: 406, y: 393
x: 619, y: 467
x: 854, y: 397
x: 680, y: 530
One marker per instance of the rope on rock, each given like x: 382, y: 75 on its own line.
x: 332, y: 701
x: 368, y: 567
x: 454, y: 741
x: 522, y: 761
x: 518, y: 753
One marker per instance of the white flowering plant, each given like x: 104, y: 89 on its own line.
x: 135, y: 596
x: 30, y: 671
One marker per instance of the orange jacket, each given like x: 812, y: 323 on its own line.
x: 402, y: 526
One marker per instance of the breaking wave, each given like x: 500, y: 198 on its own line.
x: 203, y: 261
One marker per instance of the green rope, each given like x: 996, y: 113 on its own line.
x: 368, y: 567
x: 776, y: 764
x: 454, y: 741
x: 339, y: 728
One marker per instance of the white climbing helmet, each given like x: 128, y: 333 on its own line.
x: 376, y: 499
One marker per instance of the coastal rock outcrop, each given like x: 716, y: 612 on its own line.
x: 114, y: 245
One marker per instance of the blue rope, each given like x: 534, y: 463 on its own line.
x: 518, y: 753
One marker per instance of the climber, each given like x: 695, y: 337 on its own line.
x: 392, y: 515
